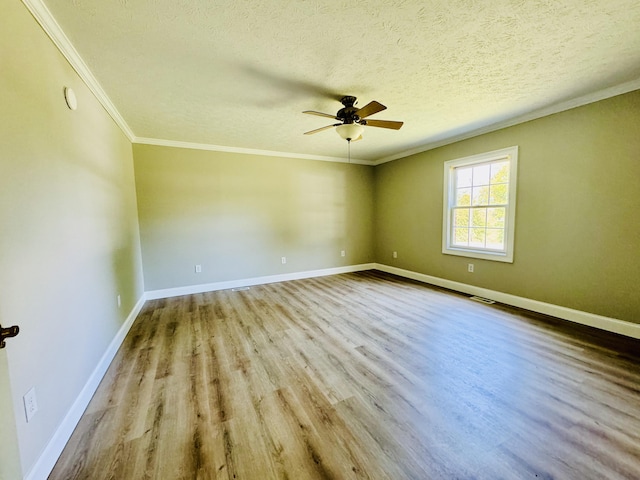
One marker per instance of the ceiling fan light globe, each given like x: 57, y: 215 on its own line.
x: 349, y: 131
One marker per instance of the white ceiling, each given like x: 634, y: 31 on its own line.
x: 238, y: 73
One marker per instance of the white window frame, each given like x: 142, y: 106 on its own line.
x: 448, y: 248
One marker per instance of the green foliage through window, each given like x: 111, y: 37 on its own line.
x: 484, y: 187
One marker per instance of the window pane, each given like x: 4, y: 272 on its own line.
x: 481, y: 175
x: 477, y: 237
x: 499, y: 194
x: 495, y: 217
x: 480, y: 196
x: 463, y: 177
x: 479, y: 217
x: 495, y: 238
x: 461, y: 217
x: 463, y: 197
x: 500, y: 172
x: 461, y: 236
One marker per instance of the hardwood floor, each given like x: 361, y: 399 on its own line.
x: 360, y: 375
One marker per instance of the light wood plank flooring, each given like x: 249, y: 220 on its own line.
x: 364, y: 376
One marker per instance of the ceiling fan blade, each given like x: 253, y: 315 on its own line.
x: 370, y: 108
x: 321, y: 129
x: 383, y: 124
x: 320, y: 114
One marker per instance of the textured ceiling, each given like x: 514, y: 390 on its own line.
x: 239, y: 73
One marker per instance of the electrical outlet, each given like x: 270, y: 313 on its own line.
x: 395, y: 254
x: 198, y: 268
x: 284, y: 260
x: 119, y: 302
x: 342, y: 253
x: 470, y: 268
x: 30, y: 404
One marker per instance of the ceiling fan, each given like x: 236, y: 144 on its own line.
x: 354, y: 119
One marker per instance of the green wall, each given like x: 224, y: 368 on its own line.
x: 236, y: 215
x: 577, y: 239
x: 71, y: 228
x: 69, y: 243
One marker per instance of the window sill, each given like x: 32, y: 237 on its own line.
x: 481, y: 254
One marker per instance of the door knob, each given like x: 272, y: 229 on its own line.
x: 7, y: 333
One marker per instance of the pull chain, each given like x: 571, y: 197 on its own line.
x: 349, y: 148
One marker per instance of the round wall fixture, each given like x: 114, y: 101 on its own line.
x: 70, y: 98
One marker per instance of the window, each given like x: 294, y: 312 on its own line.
x: 479, y: 205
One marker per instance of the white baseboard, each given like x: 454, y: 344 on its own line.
x: 52, y: 451
x: 590, y: 319
x: 248, y: 282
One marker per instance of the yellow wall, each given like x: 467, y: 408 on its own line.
x: 237, y: 215
x: 69, y: 242
x: 577, y: 239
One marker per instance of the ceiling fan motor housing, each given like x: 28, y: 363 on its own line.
x: 348, y: 113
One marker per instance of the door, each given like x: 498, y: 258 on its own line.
x: 9, y: 453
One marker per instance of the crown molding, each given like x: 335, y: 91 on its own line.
x: 46, y: 20
x: 246, y: 151
x: 543, y: 112
x: 43, y: 16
